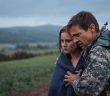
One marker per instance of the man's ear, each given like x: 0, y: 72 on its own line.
x: 92, y: 27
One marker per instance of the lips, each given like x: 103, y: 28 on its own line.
x: 65, y: 49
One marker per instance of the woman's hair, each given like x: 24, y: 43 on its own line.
x: 84, y: 20
x: 64, y: 29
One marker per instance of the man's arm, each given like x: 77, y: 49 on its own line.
x: 94, y: 78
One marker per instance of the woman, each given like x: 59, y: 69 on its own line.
x: 67, y: 61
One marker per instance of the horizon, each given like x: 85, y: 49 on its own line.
x: 20, y: 26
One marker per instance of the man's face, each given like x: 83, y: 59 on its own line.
x: 80, y: 36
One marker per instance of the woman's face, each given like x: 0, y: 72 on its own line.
x: 67, y: 44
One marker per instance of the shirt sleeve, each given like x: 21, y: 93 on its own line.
x: 75, y: 83
x: 95, y: 76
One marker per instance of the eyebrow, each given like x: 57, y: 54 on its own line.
x: 75, y: 33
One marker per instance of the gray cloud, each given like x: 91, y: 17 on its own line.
x: 16, y: 8
x: 51, y: 11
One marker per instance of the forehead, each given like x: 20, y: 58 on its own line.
x: 75, y: 29
x: 65, y: 35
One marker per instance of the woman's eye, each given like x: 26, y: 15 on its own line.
x: 68, y: 40
x: 62, y: 40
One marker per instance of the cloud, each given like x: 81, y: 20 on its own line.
x: 49, y: 11
x: 18, y: 8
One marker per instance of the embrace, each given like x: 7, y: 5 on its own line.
x: 83, y: 67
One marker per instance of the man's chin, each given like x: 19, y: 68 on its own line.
x: 82, y: 47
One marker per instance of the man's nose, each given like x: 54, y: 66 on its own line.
x: 75, y: 40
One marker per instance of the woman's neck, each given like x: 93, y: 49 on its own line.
x: 75, y: 54
x: 75, y: 57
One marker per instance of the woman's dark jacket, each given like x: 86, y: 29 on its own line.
x: 57, y: 85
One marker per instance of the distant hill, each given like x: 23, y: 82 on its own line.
x: 43, y: 33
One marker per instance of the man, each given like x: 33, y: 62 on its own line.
x: 94, y: 81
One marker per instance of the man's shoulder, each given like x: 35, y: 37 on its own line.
x: 100, y: 55
x: 99, y: 47
x: 101, y: 50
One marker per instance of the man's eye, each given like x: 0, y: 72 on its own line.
x: 76, y: 35
x: 72, y: 35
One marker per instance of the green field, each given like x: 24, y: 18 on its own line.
x: 19, y: 75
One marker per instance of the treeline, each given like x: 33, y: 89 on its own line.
x: 22, y: 55
x: 36, y: 47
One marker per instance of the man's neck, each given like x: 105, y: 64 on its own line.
x: 96, y: 35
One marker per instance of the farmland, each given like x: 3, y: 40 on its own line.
x: 19, y: 75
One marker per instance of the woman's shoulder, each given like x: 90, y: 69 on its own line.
x: 62, y: 57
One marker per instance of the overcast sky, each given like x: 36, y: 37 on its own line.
x: 56, y: 12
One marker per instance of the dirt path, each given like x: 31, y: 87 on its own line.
x: 39, y: 91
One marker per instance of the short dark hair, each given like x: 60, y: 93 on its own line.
x: 83, y: 19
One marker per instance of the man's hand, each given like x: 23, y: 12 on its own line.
x: 69, y: 78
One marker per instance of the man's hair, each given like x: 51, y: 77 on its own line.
x: 84, y: 20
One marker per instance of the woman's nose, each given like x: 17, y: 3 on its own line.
x: 64, y: 43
